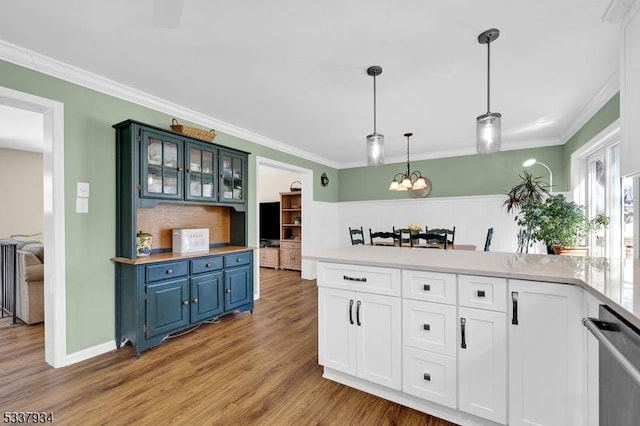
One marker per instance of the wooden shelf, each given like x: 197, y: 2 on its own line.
x: 290, y: 233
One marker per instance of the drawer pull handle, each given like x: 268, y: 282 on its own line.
x: 481, y: 293
x: 427, y: 377
x: 427, y: 287
x: 238, y: 259
x: 358, y: 313
x: 195, y: 300
x: 208, y: 265
x: 348, y: 278
x: 185, y: 302
x: 514, y: 300
x: 426, y: 327
x: 351, y: 311
x: 169, y: 271
x: 463, y: 323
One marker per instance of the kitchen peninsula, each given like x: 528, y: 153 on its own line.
x: 471, y: 337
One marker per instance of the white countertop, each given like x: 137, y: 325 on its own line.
x: 601, y: 277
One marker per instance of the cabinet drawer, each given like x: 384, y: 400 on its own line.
x: 369, y: 279
x: 237, y: 259
x: 483, y: 292
x: 429, y: 376
x: 164, y: 271
x: 289, y: 244
x: 206, y: 264
x: 429, y: 286
x: 429, y: 326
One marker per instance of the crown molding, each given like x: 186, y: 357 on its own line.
x: 49, y: 66
x: 616, y: 11
x: 610, y: 88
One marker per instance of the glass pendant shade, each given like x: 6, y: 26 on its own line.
x: 394, y: 186
x: 488, y: 133
x: 420, y: 183
x: 375, y: 149
x: 406, y: 182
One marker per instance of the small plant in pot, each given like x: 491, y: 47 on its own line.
x: 560, y: 224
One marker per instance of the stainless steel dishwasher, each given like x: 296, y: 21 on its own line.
x: 619, y: 368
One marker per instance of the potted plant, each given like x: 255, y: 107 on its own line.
x: 527, y: 193
x: 561, y: 224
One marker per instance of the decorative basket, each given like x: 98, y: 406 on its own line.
x: 294, y: 188
x: 205, y: 135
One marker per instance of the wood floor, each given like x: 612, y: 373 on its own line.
x: 247, y: 369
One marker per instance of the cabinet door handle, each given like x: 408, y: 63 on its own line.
x: 185, y: 302
x: 195, y: 300
x: 228, y: 290
x: 514, y: 301
x: 426, y: 327
x: 427, y: 287
x: 463, y: 324
x: 169, y: 271
x: 427, y: 377
x: 348, y: 278
x: 481, y: 293
x: 351, y: 311
x: 358, y: 313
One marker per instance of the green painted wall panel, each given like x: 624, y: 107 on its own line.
x: 90, y: 157
x: 455, y: 176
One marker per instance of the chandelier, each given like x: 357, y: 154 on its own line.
x: 417, y: 185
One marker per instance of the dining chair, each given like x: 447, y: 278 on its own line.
x: 403, y: 236
x: 381, y: 238
x: 449, y: 234
x: 487, y: 241
x: 356, y: 235
x: 431, y: 239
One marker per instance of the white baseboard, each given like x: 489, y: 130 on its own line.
x: 85, y: 354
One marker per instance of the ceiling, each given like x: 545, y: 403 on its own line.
x: 295, y: 72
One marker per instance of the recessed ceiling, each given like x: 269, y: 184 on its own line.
x: 295, y: 72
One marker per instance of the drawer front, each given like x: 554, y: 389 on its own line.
x: 369, y: 279
x: 429, y: 326
x: 164, y: 271
x: 429, y: 286
x: 429, y: 376
x: 237, y: 259
x: 290, y: 244
x: 483, y: 292
x: 206, y: 264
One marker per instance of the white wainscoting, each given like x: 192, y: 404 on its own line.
x: 471, y: 216
x: 320, y: 230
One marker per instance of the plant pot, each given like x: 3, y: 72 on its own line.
x: 571, y: 251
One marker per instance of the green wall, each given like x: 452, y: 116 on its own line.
x: 89, y: 156
x: 455, y: 176
x: 609, y: 113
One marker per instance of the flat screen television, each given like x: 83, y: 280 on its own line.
x: 270, y: 221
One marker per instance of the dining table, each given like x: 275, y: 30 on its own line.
x: 431, y: 246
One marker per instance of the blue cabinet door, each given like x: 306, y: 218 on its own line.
x: 161, y: 171
x: 238, y: 285
x: 206, y: 296
x: 167, y: 306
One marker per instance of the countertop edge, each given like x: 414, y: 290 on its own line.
x: 169, y: 256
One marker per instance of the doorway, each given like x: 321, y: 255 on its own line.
x: 53, y: 218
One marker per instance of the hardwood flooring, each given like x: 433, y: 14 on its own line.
x: 247, y: 369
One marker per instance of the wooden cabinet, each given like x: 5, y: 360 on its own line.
x: 359, y: 327
x: 157, y: 299
x: 269, y: 257
x: 201, y: 171
x: 546, y: 383
x: 291, y: 230
x: 161, y: 165
x: 233, y: 171
x: 630, y: 92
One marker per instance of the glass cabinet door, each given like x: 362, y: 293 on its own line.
x: 161, y: 174
x: 200, y: 168
x: 232, y: 176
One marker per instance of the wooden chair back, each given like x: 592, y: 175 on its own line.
x: 487, y: 241
x: 449, y: 234
x: 356, y: 235
x: 382, y: 238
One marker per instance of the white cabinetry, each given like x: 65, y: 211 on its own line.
x: 630, y: 92
x: 359, y: 332
x: 545, y: 354
x: 590, y: 308
x: 482, y: 353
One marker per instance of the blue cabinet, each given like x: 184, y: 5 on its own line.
x: 157, y: 299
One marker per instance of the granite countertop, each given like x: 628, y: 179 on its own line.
x: 163, y: 257
x: 615, y: 282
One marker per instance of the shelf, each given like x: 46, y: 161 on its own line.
x: 291, y: 224
x: 292, y: 210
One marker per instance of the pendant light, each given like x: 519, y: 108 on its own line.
x: 375, y: 141
x: 417, y: 185
x: 488, y: 127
